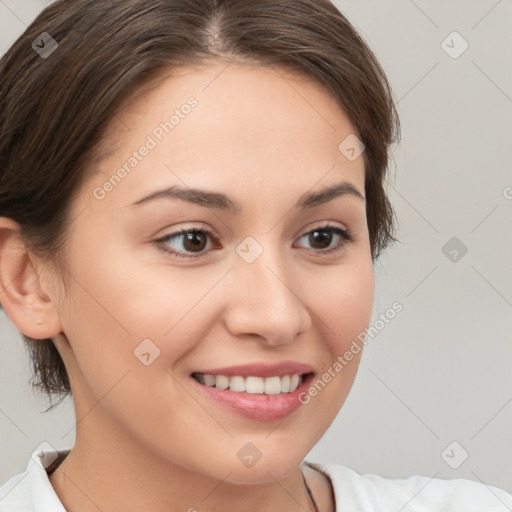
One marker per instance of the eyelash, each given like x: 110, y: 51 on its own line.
x: 343, y: 233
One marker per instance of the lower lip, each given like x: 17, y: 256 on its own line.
x: 258, y: 406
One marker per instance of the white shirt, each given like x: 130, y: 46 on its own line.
x: 31, y: 491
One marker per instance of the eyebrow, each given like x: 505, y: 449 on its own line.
x: 217, y: 200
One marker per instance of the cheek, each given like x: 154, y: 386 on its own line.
x: 119, y: 317
x: 124, y: 358
x: 344, y: 310
x: 345, y: 305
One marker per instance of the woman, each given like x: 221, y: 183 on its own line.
x: 191, y: 204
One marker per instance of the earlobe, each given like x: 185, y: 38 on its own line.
x: 29, y: 308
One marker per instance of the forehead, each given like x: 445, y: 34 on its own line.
x: 248, y: 123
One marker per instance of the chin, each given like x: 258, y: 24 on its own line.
x: 260, y: 474
x: 265, y: 465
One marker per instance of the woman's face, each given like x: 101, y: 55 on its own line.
x: 269, y: 285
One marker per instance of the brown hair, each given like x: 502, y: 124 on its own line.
x: 54, y: 110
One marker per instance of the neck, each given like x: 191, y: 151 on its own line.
x: 106, y: 458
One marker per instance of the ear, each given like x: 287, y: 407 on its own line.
x: 26, y: 303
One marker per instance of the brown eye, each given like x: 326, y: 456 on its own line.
x: 321, y: 238
x: 191, y: 240
x: 192, y: 243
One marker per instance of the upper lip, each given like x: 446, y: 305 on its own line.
x: 260, y: 369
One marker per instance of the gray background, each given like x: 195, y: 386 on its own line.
x: 441, y: 370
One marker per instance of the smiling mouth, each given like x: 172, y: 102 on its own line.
x: 275, y: 385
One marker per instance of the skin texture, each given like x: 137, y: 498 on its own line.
x: 264, y: 137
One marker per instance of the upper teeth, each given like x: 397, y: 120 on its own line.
x: 268, y: 386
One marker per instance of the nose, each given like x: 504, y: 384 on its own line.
x: 263, y: 299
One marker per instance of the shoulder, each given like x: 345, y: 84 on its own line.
x: 353, y: 491
x: 14, y: 494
